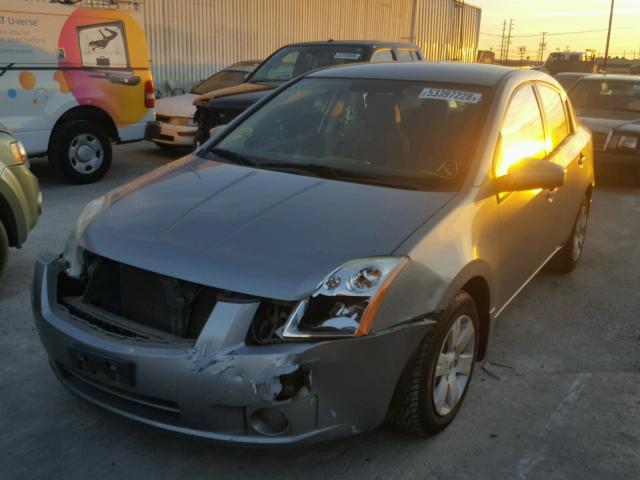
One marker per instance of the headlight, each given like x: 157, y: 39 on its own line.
x: 626, y: 142
x: 18, y: 151
x: 72, y: 252
x: 346, y: 302
x: 183, y: 121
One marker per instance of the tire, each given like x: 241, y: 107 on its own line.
x: 4, y: 248
x: 414, y: 407
x: 567, y: 258
x: 81, y: 151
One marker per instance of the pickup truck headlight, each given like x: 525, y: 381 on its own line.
x: 346, y: 302
x: 182, y: 121
x: 627, y: 142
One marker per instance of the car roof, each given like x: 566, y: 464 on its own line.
x: 467, y: 73
x: 356, y: 43
x: 617, y: 77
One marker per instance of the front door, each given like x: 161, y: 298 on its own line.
x: 527, y: 218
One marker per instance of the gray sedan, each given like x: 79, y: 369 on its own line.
x: 334, y: 258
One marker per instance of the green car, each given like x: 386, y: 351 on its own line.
x: 20, y: 197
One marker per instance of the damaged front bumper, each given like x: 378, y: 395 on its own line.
x: 218, y: 387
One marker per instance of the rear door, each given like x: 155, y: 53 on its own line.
x: 527, y: 219
x: 568, y: 149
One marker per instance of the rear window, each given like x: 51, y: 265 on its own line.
x: 291, y: 62
x: 223, y: 79
x: 607, y: 95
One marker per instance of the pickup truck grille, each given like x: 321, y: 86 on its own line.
x: 599, y: 140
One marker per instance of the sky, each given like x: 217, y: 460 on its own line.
x: 531, y: 17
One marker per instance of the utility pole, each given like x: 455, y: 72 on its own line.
x: 606, y: 52
x: 509, y: 40
x: 523, y: 51
x: 504, y: 29
x: 542, y: 47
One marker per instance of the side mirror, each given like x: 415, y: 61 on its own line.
x: 531, y: 174
x: 217, y: 130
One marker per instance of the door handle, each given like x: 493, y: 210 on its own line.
x: 582, y: 160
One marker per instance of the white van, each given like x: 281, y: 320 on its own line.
x: 73, y: 80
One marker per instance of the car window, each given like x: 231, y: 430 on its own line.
x: 405, y: 134
x: 290, y: 62
x: 222, y: 79
x: 611, y: 95
x: 522, y: 133
x: 382, y: 56
x: 405, y: 56
x: 556, y: 116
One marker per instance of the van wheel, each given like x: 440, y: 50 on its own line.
x: 4, y: 248
x: 435, y: 382
x: 81, y: 151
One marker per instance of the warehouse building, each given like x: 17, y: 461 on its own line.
x: 191, y: 39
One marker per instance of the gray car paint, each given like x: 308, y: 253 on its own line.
x: 454, y: 241
x: 223, y: 225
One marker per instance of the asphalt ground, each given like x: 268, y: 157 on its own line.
x: 560, y: 398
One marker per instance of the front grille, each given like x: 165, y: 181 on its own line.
x: 599, y: 140
x: 132, y: 303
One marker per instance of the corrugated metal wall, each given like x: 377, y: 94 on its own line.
x: 191, y: 39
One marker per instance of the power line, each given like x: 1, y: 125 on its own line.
x: 558, y: 33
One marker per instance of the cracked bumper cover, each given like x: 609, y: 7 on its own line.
x: 214, y: 388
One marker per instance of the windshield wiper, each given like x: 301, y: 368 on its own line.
x: 234, y: 157
x: 316, y: 169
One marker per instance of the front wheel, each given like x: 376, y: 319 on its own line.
x: 435, y: 382
x: 81, y: 151
x: 4, y: 248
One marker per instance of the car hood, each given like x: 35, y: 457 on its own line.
x: 203, y: 100
x: 239, y: 102
x: 602, y: 121
x: 178, y: 106
x: 258, y: 232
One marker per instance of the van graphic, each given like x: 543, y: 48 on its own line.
x: 74, y: 81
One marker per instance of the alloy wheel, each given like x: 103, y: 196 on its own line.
x: 454, y: 366
x: 580, y: 233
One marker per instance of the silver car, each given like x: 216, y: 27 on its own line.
x: 334, y: 258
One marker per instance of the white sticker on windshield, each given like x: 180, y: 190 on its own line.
x: 347, y: 56
x: 446, y: 94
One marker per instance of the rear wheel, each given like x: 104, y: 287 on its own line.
x: 566, y: 260
x: 81, y: 151
x: 4, y: 248
x: 435, y: 382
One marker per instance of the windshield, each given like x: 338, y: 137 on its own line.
x: 607, y: 95
x: 222, y: 79
x: 395, y: 133
x: 291, y: 62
